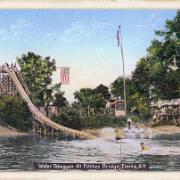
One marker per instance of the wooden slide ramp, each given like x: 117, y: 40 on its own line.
x: 41, y: 118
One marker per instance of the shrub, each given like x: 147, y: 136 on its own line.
x: 68, y: 117
x: 14, y: 112
x: 100, y: 121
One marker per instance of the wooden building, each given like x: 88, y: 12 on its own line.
x: 115, y: 107
x: 166, y: 112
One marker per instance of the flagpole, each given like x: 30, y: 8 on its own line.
x: 122, y: 57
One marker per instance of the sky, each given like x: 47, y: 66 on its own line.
x: 84, y: 40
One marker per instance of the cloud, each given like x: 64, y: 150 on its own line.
x: 17, y: 29
x: 76, y: 31
x: 3, y: 34
x: 79, y: 31
x: 51, y: 34
x: 153, y: 21
x: 99, y: 25
x: 156, y: 20
x: 20, y: 26
x: 137, y: 25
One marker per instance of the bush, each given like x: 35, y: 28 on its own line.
x: 100, y: 121
x: 68, y: 117
x: 135, y: 118
x: 14, y: 112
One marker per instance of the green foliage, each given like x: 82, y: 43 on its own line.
x: 164, y: 61
x: 100, y: 121
x: 14, y: 112
x: 87, y: 97
x: 163, y: 67
x: 37, y: 73
x: 68, y: 117
x: 139, y: 104
x: 59, y: 100
x: 140, y: 78
x: 117, y: 87
x: 103, y: 90
x: 135, y: 118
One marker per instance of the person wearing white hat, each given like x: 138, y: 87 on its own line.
x: 129, y: 129
x: 129, y: 121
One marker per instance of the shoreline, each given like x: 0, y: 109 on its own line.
x: 6, y: 132
x: 166, y: 129
x: 159, y: 130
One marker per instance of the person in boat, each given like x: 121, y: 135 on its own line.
x: 129, y: 129
x: 138, y: 131
x: 144, y: 147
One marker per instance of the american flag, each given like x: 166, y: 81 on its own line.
x: 64, y: 75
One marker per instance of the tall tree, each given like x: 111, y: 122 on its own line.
x: 163, y: 58
x: 103, y: 90
x: 140, y: 77
x: 87, y: 97
x: 117, y: 87
x: 37, y: 73
x: 157, y: 75
x: 60, y: 100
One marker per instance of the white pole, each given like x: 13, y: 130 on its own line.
x: 120, y: 149
x: 122, y: 57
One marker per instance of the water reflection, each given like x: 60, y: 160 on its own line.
x: 19, y: 153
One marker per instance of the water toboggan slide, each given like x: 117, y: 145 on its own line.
x: 38, y: 116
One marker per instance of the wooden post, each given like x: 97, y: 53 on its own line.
x: 88, y: 111
x: 65, y: 135
x: 74, y: 136
x: 37, y: 127
x: 40, y: 131
x: 57, y: 135
x: 44, y: 130
x: 34, y: 128
x: 52, y: 131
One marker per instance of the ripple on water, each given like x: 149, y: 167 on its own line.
x: 19, y: 153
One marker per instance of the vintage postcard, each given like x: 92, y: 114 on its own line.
x: 90, y: 90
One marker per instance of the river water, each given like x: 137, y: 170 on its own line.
x: 20, y: 153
